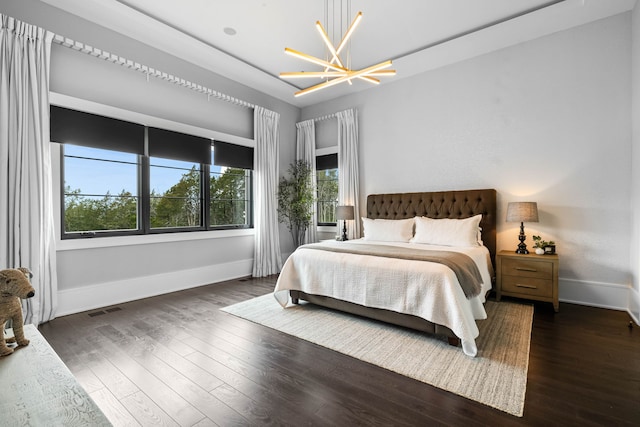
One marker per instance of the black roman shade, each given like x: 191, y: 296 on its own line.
x: 91, y: 130
x: 232, y: 155
x: 175, y: 145
x: 329, y: 161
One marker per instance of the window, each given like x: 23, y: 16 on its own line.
x: 230, y: 203
x: 125, y: 191
x: 100, y: 190
x: 175, y: 200
x: 230, y: 185
x: 327, y: 188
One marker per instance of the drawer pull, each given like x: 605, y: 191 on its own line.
x: 526, y: 286
x: 526, y: 269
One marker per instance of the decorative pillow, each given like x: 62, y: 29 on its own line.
x: 448, y: 232
x: 388, y: 230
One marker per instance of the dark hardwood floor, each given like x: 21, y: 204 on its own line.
x: 177, y: 359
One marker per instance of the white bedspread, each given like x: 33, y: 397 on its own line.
x: 425, y: 289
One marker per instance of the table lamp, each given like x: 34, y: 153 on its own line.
x: 344, y: 213
x: 522, y: 212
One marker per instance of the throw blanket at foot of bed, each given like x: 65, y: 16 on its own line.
x: 462, y: 265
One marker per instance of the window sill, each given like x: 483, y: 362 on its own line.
x: 327, y: 228
x: 107, y: 242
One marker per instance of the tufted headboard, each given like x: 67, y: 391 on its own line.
x: 440, y: 204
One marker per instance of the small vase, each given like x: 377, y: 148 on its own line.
x: 540, y: 251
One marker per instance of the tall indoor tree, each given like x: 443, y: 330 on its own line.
x: 295, y: 200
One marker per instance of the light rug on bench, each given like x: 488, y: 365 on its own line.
x: 496, y: 377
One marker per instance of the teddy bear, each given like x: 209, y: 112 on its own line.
x: 14, y: 285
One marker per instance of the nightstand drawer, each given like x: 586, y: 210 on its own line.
x: 528, y: 286
x: 527, y: 268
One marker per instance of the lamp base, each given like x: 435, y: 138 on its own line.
x: 522, y: 247
x: 344, y: 232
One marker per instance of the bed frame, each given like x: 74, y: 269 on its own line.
x: 439, y: 204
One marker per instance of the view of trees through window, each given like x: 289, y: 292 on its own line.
x: 229, y: 197
x: 176, y: 196
x: 101, y: 192
x: 327, y: 188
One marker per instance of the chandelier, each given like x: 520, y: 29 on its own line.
x: 335, y: 70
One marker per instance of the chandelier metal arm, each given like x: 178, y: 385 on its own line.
x: 323, y: 63
x: 336, y: 52
x: 350, y: 31
x: 327, y: 75
x: 327, y: 42
x: 320, y: 74
x: 350, y: 75
x: 313, y: 59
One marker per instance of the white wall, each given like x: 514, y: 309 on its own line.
x: 634, y: 303
x: 547, y: 120
x: 98, y: 272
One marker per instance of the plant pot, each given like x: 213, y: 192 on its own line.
x: 540, y: 251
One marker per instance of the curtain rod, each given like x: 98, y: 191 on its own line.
x: 329, y: 116
x: 148, y: 71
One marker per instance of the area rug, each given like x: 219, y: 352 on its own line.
x: 496, y: 377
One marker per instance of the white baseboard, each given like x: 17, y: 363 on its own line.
x: 76, y: 300
x: 595, y: 294
x: 634, y: 306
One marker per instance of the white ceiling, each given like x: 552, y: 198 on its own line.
x: 417, y: 35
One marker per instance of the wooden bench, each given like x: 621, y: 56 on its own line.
x: 36, y: 388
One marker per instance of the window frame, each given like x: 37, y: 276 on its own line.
x: 250, y: 207
x: 144, y: 228
x: 320, y: 153
x: 91, y: 234
x: 147, y: 204
x: 144, y: 206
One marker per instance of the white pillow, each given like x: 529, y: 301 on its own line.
x: 388, y: 230
x: 448, y: 232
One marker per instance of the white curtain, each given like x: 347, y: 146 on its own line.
x: 306, y: 150
x: 267, y: 258
x: 348, y: 180
x: 26, y: 209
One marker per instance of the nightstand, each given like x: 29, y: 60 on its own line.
x: 530, y: 276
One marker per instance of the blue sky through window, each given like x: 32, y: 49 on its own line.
x: 120, y: 173
x: 98, y: 177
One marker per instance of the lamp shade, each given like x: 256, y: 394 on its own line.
x: 522, y: 212
x: 344, y: 212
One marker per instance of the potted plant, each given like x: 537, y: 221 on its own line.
x: 295, y: 200
x: 540, y: 244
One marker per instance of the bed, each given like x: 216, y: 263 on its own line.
x: 409, y: 292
